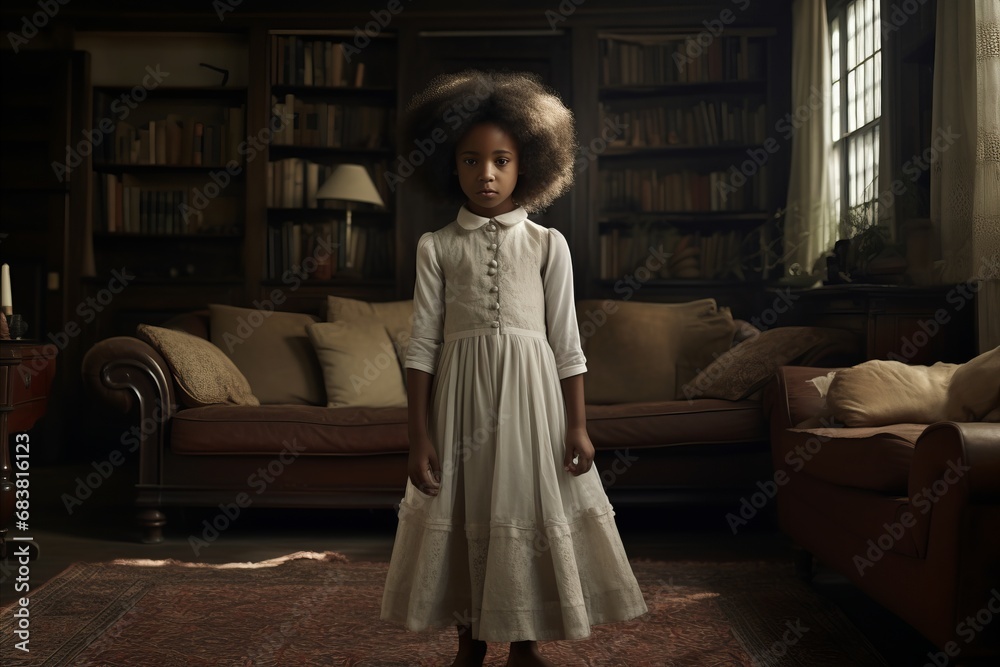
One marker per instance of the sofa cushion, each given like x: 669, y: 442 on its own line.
x: 268, y: 429
x: 875, y: 459
x: 745, y: 368
x: 202, y: 372
x: 360, y: 368
x: 878, y: 393
x: 974, y: 391
x: 272, y: 350
x: 640, y: 352
x: 660, y: 423
x: 397, y: 316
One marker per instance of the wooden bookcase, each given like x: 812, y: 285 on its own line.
x: 680, y: 123
x: 666, y: 123
x: 168, y: 180
x: 330, y: 104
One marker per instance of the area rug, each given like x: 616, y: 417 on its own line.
x: 320, y: 609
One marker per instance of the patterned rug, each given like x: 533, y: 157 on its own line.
x: 319, y: 609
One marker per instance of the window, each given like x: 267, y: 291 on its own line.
x: 856, y: 74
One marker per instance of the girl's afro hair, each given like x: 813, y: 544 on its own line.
x: 521, y: 104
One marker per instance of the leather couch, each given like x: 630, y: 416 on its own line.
x: 311, y: 456
x: 909, y: 513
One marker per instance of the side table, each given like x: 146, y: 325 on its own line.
x: 26, y: 373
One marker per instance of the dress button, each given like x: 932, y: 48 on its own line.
x: 493, y: 263
x: 492, y: 227
x: 496, y: 306
x: 493, y: 246
x: 494, y: 289
x: 496, y: 324
x: 491, y: 271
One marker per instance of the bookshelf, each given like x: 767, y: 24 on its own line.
x: 682, y: 122
x: 330, y: 105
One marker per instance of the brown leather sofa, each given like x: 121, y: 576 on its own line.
x: 315, y: 457
x: 910, y: 514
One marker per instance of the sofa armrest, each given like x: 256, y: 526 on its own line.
x: 964, y: 455
x: 124, y: 372
x: 790, y: 399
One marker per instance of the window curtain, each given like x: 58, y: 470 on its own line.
x: 965, y: 180
x: 810, y: 230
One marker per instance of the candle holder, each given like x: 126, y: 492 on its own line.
x: 17, y: 326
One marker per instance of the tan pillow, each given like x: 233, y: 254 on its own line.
x: 203, y: 373
x: 397, y: 316
x: 649, y: 351
x: 974, y: 390
x: 880, y: 393
x: 748, y: 366
x: 272, y: 350
x: 359, y: 364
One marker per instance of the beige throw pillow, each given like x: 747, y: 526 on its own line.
x: 747, y: 367
x: 397, y: 316
x: 359, y: 364
x: 204, y: 375
x: 880, y: 393
x: 272, y: 350
x: 649, y: 351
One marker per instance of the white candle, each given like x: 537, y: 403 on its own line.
x: 5, y: 301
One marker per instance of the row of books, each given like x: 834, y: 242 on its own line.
x: 321, y: 251
x: 661, y: 59
x: 656, y: 190
x: 293, y: 183
x: 300, y: 61
x: 715, y: 256
x: 137, y: 210
x: 701, y: 124
x: 178, y: 140
x: 327, y: 125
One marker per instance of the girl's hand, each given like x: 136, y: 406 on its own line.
x: 578, y: 446
x: 423, y: 467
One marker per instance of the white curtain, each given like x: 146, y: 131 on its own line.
x: 965, y: 180
x: 810, y: 229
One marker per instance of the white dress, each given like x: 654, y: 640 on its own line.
x: 514, y: 545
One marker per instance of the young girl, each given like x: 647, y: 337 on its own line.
x: 504, y: 529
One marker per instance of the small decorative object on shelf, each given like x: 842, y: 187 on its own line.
x: 18, y: 327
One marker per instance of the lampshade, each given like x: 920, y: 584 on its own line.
x: 350, y: 182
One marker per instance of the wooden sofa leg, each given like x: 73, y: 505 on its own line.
x: 151, y: 523
x: 803, y: 564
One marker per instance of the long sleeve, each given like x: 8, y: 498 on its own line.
x: 428, y: 309
x: 560, y: 308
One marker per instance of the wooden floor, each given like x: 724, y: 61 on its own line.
x: 99, y: 529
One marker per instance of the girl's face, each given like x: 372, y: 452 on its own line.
x: 487, y: 169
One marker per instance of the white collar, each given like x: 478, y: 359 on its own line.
x: 469, y: 220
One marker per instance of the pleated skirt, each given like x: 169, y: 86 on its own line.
x: 513, y: 546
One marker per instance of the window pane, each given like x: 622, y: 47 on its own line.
x: 878, y: 84
x: 835, y: 43
x: 837, y: 198
x: 852, y: 173
x: 869, y: 41
x: 852, y: 59
x: 869, y: 157
x: 869, y: 87
x: 836, y: 131
x: 878, y: 26
x: 851, y: 106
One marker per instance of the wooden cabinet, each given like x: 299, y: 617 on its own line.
x: 915, y: 325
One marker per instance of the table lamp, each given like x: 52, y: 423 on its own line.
x: 350, y: 183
